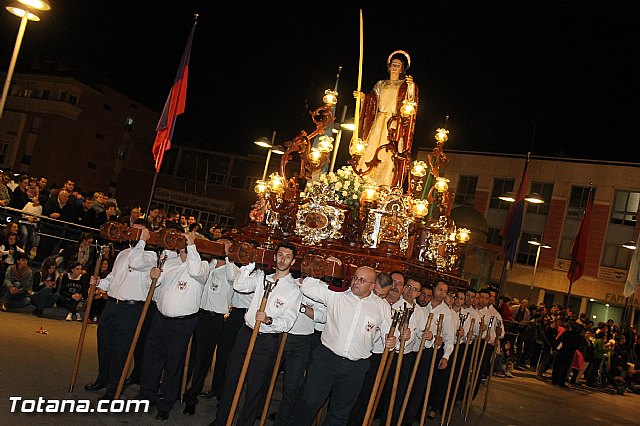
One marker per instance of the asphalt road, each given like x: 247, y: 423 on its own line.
x: 34, y: 365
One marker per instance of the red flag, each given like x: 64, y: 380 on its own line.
x: 510, y: 232
x: 579, y: 247
x: 173, y: 107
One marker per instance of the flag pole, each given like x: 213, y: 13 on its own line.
x: 153, y: 188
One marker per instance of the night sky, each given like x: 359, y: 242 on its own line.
x: 498, y: 69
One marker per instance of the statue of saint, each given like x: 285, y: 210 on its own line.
x: 382, y: 121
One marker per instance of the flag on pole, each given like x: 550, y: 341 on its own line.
x: 510, y: 232
x: 633, y: 276
x: 579, y: 247
x: 173, y: 107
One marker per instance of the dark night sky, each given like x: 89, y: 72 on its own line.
x: 497, y: 68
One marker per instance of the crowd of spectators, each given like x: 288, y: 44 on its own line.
x: 603, y: 354
x: 54, y: 228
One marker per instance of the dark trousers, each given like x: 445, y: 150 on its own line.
x: 203, y: 345
x: 335, y: 375
x: 97, y: 307
x: 44, y: 298
x: 547, y: 360
x: 232, y: 325
x: 561, y: 368
x: 69, y: 304
x: 416, y: 399
x: 138, y: 353
x: 296, y: 356
x: 258, y: 374
x: 356, y: 417
x: 486, y: 367
x: 164, y: 355
x: 115, y: 332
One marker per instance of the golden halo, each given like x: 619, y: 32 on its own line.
x: 404, y: 53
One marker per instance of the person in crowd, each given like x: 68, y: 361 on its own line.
x: 425, y: 296
x: 29, y: 225
x: 503, y: 364
x: 107, y: 215
x: 355, y: 319
x: 20, y: 198
x: 158, y: 221
x: 33, y: 190
x: 60, y: 208
x: 43, y: 192
x: 98, y: 202
x: 178, y: 299
x: 83, y: 213
x: 134, y: 214
x: 9, y: 249
x: 127, y: 286
x: 73, y: 288
x: 566, y: 345
x: 18, y: 281
x: 44, y: 288
x: 5, y: 192
x: 279, y: 316
x: 11, y: 227
x: 184, y: 223
x: 100, y: 297
x: 214, y: 305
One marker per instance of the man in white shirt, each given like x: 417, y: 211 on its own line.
x: 283, y: 305
x: 214, y: 305
x: 127, y: 286
x: 465, y: 315
x: 296, y: 356
x: 178, y: 295
x: 356, y: 416
x: 355, y: 318
x: 444, y: 348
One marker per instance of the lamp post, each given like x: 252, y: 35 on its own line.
x: 628, y: 303
x: 25, y: 10
x: 265, y: 143
x: 540, y: 245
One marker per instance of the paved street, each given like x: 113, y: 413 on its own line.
x: 33, y: 365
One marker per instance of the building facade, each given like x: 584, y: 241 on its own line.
x: 479, y: 179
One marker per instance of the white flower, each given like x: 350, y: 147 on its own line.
x: 356, y: 185
x: 355, y: 197
x: 346, y: 184
x: 303, y: 195
x: 345, y: 193
x: 333, y: 178
x: 338, y: 186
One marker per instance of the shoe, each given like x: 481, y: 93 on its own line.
x: 78, y: 317
x: 3, y: 307
x: 69, y: 317
x: 95, y: 386
x: 95, y: 320
x: 509, y: 375
x: 162, y: 415
x: 38, y: 312
x: 432, y: 415
x: 189, y: 409
x: 272, y: 416
x: 208, y: 394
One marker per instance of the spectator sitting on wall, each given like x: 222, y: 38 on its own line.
x: 29, y: 224
x: 20, y: 198
x: 17, y: 284
x: 45, y: 293
x: 73, y: 289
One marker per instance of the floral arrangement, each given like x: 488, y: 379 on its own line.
x: 344, y: 187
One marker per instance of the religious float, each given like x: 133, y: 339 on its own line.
x: 382, y: 210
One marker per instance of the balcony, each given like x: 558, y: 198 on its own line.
x: 43, y: 106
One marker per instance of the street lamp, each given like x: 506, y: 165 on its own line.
x: 628, y: 307
x: 540, y: 245
x: 276, y: 149
x: 26, y: 10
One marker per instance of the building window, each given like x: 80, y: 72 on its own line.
x: 546, y: 191
x: 35, y: 124
x: 216, y: 178
x: 578, y: 201
x: 26, y: 159
x: 234, y: 182
x: 128, y: 124
x: 527, y: 252
x: 494, y: 237
x: 616, y: 256
x: 100, y: 136
x: 466, y: 190
x: 500, y: 186
x: 107, y: 107
x: 250, y: 182
x: 625, y: 208
x: 73, y: 100
x: 45, y: 94
x: 62, y: 97
x: 226, y: 220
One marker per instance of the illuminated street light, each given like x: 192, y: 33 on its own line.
x: 509, y: 197
x: 631, y: 245
x: 540, y: 245
x: 26, y: 10
x: 534, y: 198
x: 276, y: 149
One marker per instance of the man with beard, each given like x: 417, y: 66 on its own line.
x: 279, y: 316
x: 426, y: 295
x: 396, y: 287
x: 355, y: 318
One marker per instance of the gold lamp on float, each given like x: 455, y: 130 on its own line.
x: 325, y: 144
x: 330, y: 97
x: 463, y: 235
x: 419, y: 169
x: 419, y: 208
x: 369, y: 192
x: 276, y: 183
x: 408, y: 108
x: 442, y: 184
x: 442, y: 135
x: 261, y: 187
x: 357, y: 148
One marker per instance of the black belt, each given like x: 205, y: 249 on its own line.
x: 126, y: 302
x: 261, y: 333
x: 183, y: 317
x: 207, y: 313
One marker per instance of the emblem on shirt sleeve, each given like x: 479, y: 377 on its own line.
x: 278, y: 303
x: 182, y: 285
